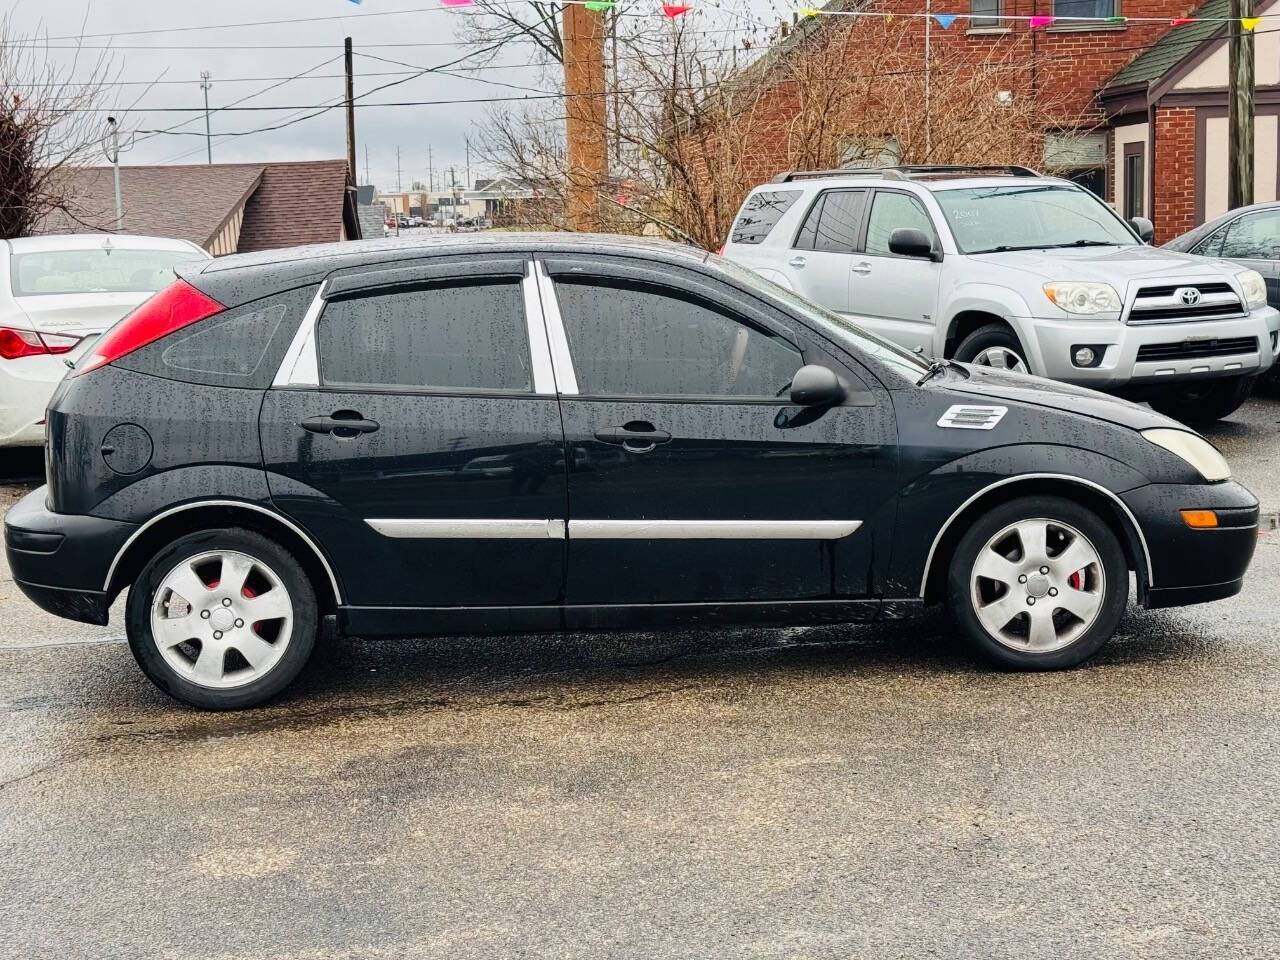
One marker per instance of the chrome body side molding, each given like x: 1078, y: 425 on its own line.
x: 469, y: 529
x: 711, y: 529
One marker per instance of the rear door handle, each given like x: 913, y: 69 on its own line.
x: 638, y: 436
x: 343, y: 423
x: 863, y: 268
x: 797, y: 262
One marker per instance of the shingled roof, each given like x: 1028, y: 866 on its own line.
x: 1171, y: 49
x: 284, y: 204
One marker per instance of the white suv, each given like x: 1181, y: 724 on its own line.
x: 1003, y: 266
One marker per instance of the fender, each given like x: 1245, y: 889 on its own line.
x: 985, y: 298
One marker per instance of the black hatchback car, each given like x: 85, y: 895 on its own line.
x: 527, y: 433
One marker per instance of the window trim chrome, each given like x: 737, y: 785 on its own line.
x: 544, y: 379
x: 558, y: 341
x: 1124, y: 508
x: 300, y: 366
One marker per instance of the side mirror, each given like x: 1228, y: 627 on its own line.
x: 1144, y: 228
x: 910, y: 242
x: 816, y: 386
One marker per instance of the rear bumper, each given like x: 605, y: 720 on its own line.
x: 26, y: 384
x: 1195, y: 565
x: 60, y: 561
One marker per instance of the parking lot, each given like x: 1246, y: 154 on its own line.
x: 817, y: 792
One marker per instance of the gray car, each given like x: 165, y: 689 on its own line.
x: 1007, y: 268
x: 1249, y: 236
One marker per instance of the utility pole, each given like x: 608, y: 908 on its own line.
x: 398, y: 170
x: 585, y: 112
x: 351, y: 107
x: 431, y: 177
x: 113, y: 154
x: 206, y: 82
x: 467, y: 141
x: 1240, y: 83
x: 366, y: 164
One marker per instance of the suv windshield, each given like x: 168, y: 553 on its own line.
x: 833, y: 325
x: 1030, y: 217
x: 95, y: 271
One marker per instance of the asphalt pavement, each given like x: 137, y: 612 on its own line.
x: 824, y: 792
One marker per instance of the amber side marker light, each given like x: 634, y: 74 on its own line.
x: 1200, y: 519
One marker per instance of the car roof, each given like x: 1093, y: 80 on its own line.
x: 91, y: 241
x: 933, y: 182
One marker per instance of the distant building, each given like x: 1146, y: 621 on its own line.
x: 223, y: 207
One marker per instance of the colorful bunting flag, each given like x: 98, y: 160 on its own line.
x: 1117, y: 20
x: 599, y: 5
x: 808, y: 12
x: 945, y: 20
x: 1180, y: 21
x: 1040, y: 21
x: 674, y: 10
x: 1250, y: 22
x: 457, y: 3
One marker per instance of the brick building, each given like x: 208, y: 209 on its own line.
x: 1141, y: 106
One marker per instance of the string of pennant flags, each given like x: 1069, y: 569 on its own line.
x: 944, y: 20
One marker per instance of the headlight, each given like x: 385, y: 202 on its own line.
x: 1083, y: 298
x: 1197, y: 451
x: 1253, y: 287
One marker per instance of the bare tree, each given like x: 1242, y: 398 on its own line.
x: 50, y: 125
x: 493, y: 25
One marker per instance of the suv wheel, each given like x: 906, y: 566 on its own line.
x: 994, y: 345
x: 1039, y: 583
x: 222, y: 619
x: 1205, y: 401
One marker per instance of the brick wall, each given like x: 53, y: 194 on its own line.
x: 1175, y: 172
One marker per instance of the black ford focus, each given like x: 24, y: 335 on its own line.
x: 527, y: 433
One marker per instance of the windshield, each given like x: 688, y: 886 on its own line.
x: 95, y: 271
x: 838, y: 328
x: 1032, y: 217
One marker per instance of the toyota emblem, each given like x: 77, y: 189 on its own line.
x: 1189, y: 296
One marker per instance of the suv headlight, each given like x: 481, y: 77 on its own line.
x: 1253, y: 287
x: 1197, y: 451
x: 1082, y: 297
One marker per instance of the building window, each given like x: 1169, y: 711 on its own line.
x: 985, y: 14
x: 1078, y: 155
x: 1134, y: 179
x: 868, y: 150
x: 1084, y: 8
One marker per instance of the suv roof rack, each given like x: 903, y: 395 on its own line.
x: 907, y: 171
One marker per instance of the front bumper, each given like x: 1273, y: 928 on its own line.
x: 60, y: 561
x: 1194, y: 565
x: 1051, y: 343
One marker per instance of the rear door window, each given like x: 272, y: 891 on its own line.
x: 834, y: 223
x: 240, y: 347
x: 1255, y: 236
x: 760, y: 214
x: 461, y: 336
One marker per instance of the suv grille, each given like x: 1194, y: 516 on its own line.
x: 1168, y: 303
x: 1196, y: 349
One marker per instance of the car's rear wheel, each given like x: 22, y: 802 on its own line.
x: 994, y: 345
x: 1039, y: 583
x: 222, y: 619
x: 1204, y: 401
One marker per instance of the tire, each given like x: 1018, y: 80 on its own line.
x: 1102, y: 585
x: 225, y: 653
x: 1205, y: 401
x: 987, y: 345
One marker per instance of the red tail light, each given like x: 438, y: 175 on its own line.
x: 28, y: 343
x: 176, y: 306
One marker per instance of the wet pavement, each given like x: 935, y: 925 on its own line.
x: 824, y: 792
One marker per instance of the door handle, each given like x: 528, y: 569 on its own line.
x: 343, y: 423
x: 862, y: 268
x: 638, y: 436
x: 797, y: 262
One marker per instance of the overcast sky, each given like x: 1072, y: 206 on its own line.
x: 423, y: 35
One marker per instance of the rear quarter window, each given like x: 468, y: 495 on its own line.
x: 239, y: 347
x: 760, y: 214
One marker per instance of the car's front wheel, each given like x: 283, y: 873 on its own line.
x: 1205, y: 400
x: 222, y: 619
x: 1039, y: 583
x: 994, y: 345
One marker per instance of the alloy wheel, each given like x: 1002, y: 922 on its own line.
x: 1038, y: 585
x: 222, y: 619
x: 1001, y: 358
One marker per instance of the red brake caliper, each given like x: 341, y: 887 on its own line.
x: 1075, y: 581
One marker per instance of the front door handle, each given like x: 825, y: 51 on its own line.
x: 863, y: 268
x: 638, y: 436
x: 342, y: 423
x: 797, y: 262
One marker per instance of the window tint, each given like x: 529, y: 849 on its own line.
x: 809, y: 232
x: 760, y: 214
x: 1255, y: 236
x: 467, y: 336
x: 96, y: 271
x: 240, y: 347
x: 631, y: 341
x: 894, y: 211
x: 840, y: 223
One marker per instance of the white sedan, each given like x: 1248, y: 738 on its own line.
x: 57, y: 294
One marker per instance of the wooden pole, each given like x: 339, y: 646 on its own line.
x: 1240, y: 84
x: 351, y: 108
x: 585, y: 116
